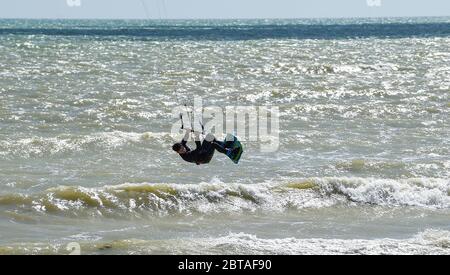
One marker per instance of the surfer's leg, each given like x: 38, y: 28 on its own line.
x: 219, y: 146
x: 210, y: 140
x: 207, y: 152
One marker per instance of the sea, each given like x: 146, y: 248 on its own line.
x: 362, y: 164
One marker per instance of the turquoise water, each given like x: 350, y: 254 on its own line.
x: 362, y: 167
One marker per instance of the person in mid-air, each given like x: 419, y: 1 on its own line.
x: 204, y: 152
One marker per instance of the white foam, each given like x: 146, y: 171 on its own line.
x: 429, y: 242
x: 225, y: 198
x: 424, y: 192
x: 435, y: 242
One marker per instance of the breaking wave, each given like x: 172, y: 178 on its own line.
x: 210, y: 198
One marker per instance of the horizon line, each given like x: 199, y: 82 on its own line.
x: 237, y: 18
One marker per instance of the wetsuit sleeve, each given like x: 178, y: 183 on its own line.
x: 197, y: 141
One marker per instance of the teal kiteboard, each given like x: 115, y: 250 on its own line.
x: 235, y: 154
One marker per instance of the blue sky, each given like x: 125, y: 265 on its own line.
x: 221, y: 8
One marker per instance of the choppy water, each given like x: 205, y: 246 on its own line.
x: 363, y: 165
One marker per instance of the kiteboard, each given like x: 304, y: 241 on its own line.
x: 235, y: 154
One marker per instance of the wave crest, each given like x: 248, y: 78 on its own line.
x: 209, y: 198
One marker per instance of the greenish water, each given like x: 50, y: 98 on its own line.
x: 85, y: 137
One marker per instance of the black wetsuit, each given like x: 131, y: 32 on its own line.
x: 204, y: 152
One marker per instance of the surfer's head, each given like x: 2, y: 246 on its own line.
x: 179, y: 148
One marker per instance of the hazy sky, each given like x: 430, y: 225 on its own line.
x: 220, y: 8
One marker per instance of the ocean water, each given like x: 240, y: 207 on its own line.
x: 363, y: 164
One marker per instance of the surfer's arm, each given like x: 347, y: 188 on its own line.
x: 186, y: 138
x: 197, y: 140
